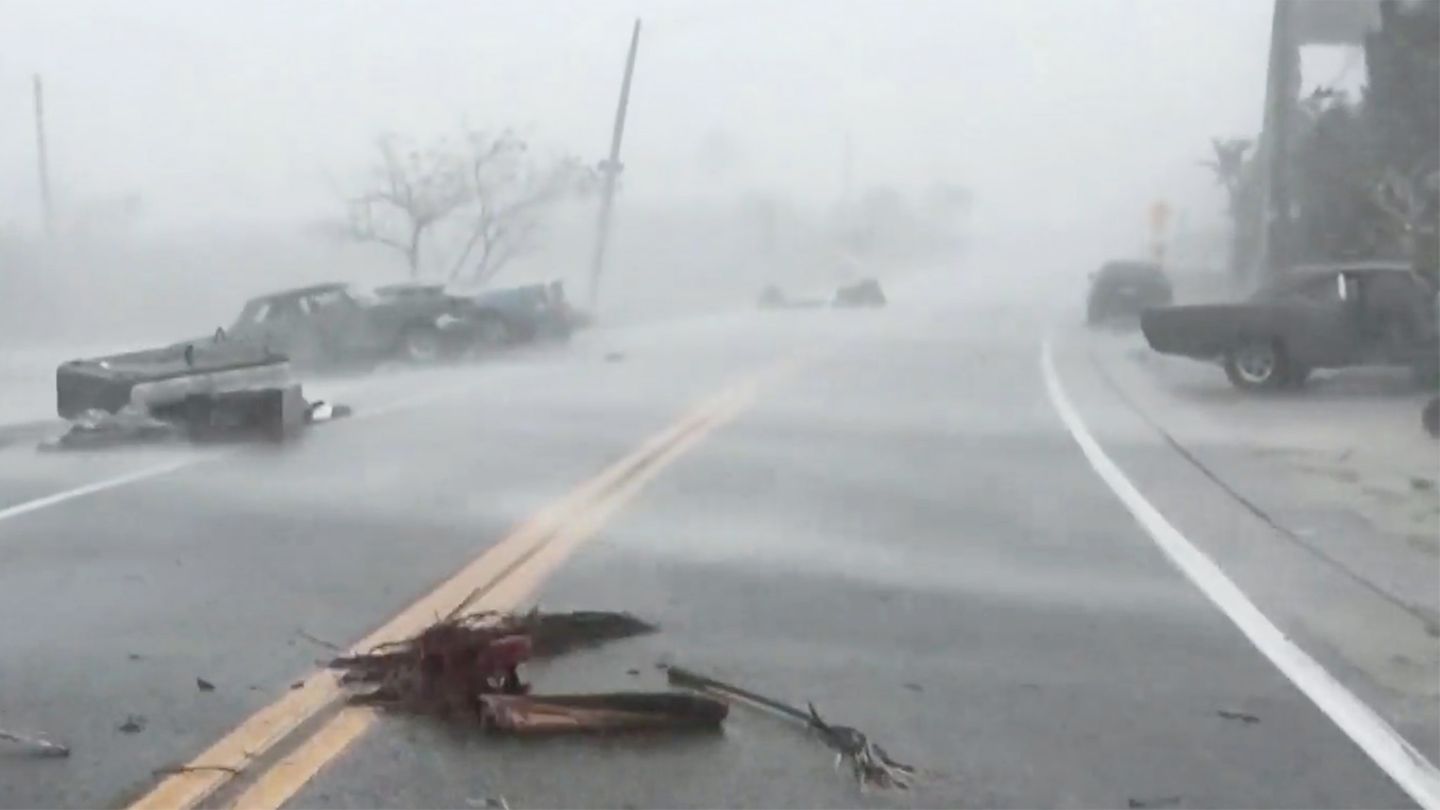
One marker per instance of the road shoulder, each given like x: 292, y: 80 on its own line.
x: 1330, y: 573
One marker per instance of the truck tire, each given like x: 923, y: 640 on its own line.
x: 1256, y: 364
x: 422, y: 344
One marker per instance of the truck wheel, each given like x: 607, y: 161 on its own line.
x: 1255, y: 365
x: 422, y: 344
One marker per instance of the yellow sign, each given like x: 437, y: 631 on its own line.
x: 1159, y: 216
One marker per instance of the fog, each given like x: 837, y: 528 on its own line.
x: 201, y: 153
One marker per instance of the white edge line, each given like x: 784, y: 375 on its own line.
x: 1415, y: 774
x: 403, y: 404
x: 100, y: 486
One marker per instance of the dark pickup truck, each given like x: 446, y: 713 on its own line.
x: 1323, y: 316
x: 334, y: 325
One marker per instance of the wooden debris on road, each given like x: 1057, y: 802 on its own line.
x: 467, y: 666
x: 611, y: 712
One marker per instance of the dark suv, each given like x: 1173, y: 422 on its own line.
x: 1124, y: 289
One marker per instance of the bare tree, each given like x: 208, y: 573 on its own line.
x: 412, y: 191
x: 507, y: 193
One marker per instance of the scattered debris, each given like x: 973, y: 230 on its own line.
x: 869, y: 763
x: 133, y: 724
x: 297, y: 685
x: 94, y: 429
x: 321, y: 411
x: 38, y: 745
x: 913, y: 687
x: 466, y: 666
x: 1422, y: 484
x: 614, y: 357
x: 134, y: 656
x: 496, y: 803
x: 1163, y: 801
x: 1244, y: 717
x: 170, y: 770
x: 634, y: 673
x: 204, y: 685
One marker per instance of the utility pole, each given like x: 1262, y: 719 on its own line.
x: 611, y: 168
x: 46, y: 211
x: 1281, y: 89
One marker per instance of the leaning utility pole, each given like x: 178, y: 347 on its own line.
x: 46, y: 212
x: 611, y: 168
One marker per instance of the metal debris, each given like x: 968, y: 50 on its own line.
x: 38, y: 745
x: 204, y: 685
x: 871, y: 765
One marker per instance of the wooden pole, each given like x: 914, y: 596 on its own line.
x: 611, y: 169
x: 46, y: 211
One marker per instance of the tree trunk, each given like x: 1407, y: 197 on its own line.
x: 412, y: 254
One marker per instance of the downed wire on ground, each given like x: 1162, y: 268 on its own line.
x: 869, y: 762
x: 467, y: 667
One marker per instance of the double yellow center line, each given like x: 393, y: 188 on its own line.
x: 500, y: 579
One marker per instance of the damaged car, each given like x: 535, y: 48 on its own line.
x: 214, y: 389
x: 337, y: 325
x: 524, y: 314
x: 1323, y: 316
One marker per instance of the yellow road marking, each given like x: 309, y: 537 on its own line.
x: 501, y: 577
x: 279, y: 783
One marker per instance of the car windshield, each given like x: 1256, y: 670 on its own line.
x: 720, y: 403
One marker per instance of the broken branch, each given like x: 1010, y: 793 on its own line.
x: 869, y: 763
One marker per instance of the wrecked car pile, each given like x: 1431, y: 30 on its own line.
x: 466, y: 668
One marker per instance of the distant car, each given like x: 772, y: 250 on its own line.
x: 1323, y: 316
x: 1123, y: 289
x: 863, y: 293
x: 332, y: 325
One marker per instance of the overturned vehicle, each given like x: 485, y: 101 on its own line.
x: 214, y: 389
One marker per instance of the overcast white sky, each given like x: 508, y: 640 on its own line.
x: 239, y: 110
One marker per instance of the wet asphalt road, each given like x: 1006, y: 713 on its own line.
x: 899, y: 530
